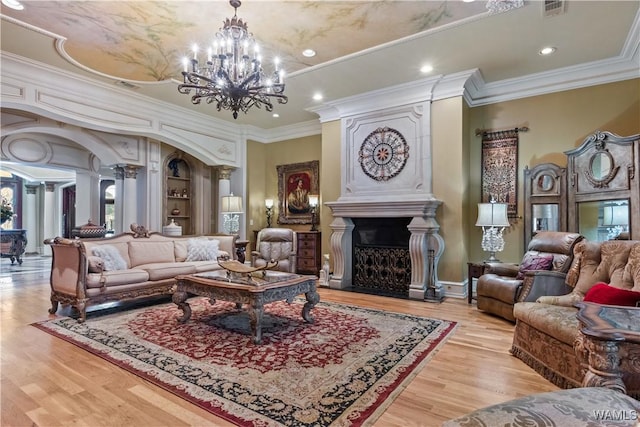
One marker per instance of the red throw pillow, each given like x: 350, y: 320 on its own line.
x: 534, y: 262
x: 602, y: 293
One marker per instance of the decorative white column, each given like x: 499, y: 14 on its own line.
x: 224, y: 189
x: 31, y: 219
x: 425, y: 248
x: 87, y: 198
x: 49, y: 212
x: 341, y: 247
x: 118, y: 173
x: 130, y: 197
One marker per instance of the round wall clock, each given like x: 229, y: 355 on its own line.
x: 383, y: 154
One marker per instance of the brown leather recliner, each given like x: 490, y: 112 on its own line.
x: 499, y: 288
x: 278, y: 244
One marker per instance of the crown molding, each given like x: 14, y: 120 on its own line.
x: 619, y: 68
x: 282, y: 133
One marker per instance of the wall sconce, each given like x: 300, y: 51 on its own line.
x: 492, y: 217
x: 231, y: 207
x: 268, y: 203
x: 313, y: 202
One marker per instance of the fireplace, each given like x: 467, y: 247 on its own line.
x: 381, y: 258
x: 414, y: 221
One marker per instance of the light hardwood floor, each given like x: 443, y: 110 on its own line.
x: 48, y: 382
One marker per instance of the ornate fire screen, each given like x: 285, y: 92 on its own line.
x: 500, y: 167
x: 386, y: 270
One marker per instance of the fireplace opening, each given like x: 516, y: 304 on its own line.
x: 381, y: 259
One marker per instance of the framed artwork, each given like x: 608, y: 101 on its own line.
x: 500, y: 168
x: 295, y: 182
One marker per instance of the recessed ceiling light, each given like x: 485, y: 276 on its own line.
x: 317, y: 96
x: 13, y: 4
x: 426, y: 69
x: 309, y: 53
x: 276, y: 115
x: 468, y: 1
x: 547, y: 50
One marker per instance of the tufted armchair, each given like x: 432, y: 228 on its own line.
x: 275, y: 244
x: 549, y: 253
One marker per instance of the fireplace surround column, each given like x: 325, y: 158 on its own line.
x: 341, y: 244
x: 426, y: 246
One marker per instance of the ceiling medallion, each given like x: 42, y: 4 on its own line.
x: 383, y: 154
x: 232, y: 76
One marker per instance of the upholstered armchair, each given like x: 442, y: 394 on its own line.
x: 548, y: 256
x: 278, y: 244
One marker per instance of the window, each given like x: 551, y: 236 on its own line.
x: 107, y: 204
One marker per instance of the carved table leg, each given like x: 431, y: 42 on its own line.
x: 312, y: 299
x: 604, y: 366
x: 179, y: 298
x: 256, y: 312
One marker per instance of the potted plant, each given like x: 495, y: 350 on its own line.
x: 5, y: 211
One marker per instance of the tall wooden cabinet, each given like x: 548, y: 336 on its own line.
x: 308, y: 259
x: 178, y: 193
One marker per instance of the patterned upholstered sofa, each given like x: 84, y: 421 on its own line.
x: 127, y: 266
x: 546, y: 330
x: 594, y: 406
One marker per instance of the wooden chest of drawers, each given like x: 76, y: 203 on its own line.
x: 308, y: 252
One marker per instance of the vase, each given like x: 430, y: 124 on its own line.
x: 175, y: 211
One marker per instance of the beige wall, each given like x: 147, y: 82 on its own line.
x: 262, y: 177
x: 557, y: 122
x: 450, y: 183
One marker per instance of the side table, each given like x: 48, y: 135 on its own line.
x: 476, y: 269
x: 608, y: 345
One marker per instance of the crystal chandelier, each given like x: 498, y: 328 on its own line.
x: 232, y: 76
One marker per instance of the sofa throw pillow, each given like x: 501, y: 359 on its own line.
x: 202, y: 249
x: 602, y: 293
x: 110, y: 257
x: 532, y: 262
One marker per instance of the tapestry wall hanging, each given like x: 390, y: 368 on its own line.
x: 500, y: 168
x: 295, y: 183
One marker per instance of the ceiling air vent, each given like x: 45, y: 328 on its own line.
x: 126, y: 85
x: 553, y: 7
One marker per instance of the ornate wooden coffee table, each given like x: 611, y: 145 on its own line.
x: 254, y: 293
x: 609, y: 347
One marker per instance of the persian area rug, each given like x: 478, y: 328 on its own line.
x: 345, y: 369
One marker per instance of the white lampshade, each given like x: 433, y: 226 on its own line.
x: 492, y: 215
x: 616, y: 215
x: 231, y: 204
x: 268, y: 203
x: 313, y: 200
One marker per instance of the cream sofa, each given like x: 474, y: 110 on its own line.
x: 130, y: 265
x: 546, y: 330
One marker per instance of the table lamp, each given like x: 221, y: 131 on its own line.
x: 231, y: 207
x: 313, y: 202
x: 492, y: 217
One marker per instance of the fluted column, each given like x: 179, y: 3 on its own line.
x: 130, y: 196
x: 49, y: 212
x: 224, y: 189
x: 30, y: 218
x: 118, y: 203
